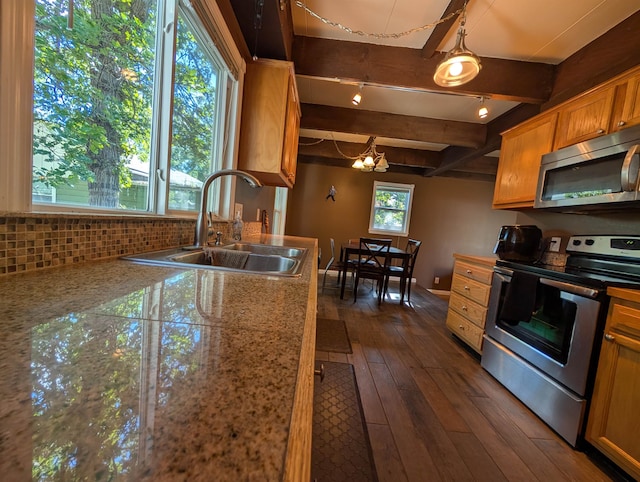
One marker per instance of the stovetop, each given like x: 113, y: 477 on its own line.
x: 594, y: 261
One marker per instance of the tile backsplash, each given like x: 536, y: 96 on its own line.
x: 36, y: 241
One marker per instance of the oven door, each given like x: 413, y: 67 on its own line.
x: 559, y: 336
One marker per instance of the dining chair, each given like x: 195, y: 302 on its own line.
x: 404, y: 272
x: 335, y: 264
x: 373, y: 261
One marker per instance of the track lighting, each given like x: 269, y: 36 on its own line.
x: 459, y: 65
x: 482, y: 111
x: 357, y: 96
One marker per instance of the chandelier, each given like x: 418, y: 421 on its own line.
x: 371, y: 160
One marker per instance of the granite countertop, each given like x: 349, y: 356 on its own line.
x: 119, y: 371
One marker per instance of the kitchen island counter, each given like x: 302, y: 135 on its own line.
x: 118, y: 371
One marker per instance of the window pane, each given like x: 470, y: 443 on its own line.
x: 93, y: 87
x: 193, y: 144
x: 391, y: 208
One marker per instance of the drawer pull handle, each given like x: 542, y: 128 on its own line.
x: 461, y: 327
x: 621, y: 123
x: 464, y: 307
x: 609, y: 337
x: 466, y: 287
x: 469, y: 271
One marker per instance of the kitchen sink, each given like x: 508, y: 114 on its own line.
x: 260, y: 258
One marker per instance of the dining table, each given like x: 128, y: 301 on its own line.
x: 352, y: 249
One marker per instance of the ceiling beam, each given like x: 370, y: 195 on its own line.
x: 382, y: 124
x: 442, y: 29
x: 605, y: 57
x: 398, y: 156
x: 454, y: 156
x: 528, y: 82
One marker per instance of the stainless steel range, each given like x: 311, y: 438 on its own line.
x: 544, y: 326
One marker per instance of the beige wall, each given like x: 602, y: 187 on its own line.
x: 448, y: 215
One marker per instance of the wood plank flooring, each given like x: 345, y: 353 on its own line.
x: 432, y: 412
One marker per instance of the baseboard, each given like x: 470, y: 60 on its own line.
x: 443, y: 294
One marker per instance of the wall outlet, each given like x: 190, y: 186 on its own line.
x: 554, y: 244
x: 436, y: 280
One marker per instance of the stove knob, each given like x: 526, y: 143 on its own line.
x: 589, y: 242
x: 576, y: 242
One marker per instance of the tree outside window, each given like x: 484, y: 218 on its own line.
x: 391, y: 208
x: 100, y: 92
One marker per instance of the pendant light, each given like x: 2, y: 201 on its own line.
x: 459, y: 65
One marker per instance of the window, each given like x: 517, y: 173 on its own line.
x: 130, y: 104
x: 391, y: 208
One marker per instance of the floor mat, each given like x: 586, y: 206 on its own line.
x: 331, y: 335
x: 340, y: 445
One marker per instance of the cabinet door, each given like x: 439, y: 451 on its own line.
x: 519, y: 166
x: 585, y: 118
x: 614, y: 419
x: 267, y: 143
x: 292, y: 129
x: 631, y: 109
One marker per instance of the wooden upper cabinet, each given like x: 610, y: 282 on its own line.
x: 520, y: 156
x: 614, y: 418
x: 270, y: 122
x: 631, y: 108
x: 584, y: 118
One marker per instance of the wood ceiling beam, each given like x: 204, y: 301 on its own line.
x: 442, y: 29
x: 529, y: 82
x: 382, y: 124
x: 605, y: 57
x: 399, y: 156
x: 454, y: 156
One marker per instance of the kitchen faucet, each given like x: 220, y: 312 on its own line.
x: 202, y: 230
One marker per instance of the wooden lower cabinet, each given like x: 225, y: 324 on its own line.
x: 614, y: 417
x: 470, y: 290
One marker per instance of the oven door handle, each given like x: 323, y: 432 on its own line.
x: 561, y: 285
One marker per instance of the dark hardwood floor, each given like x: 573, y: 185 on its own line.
x: 432, y: 412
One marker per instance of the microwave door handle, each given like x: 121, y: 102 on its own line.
x: 630, y: 168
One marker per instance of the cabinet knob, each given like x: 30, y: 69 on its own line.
x: 466, y: 287
x: 461, y: 327
x: 469, y: 271
x: 464, y: 307
x: 621, y: 123
x: 609, y: 337
x: 600, y: 131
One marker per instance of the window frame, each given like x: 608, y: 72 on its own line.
x: 396, y: 187
x: 17, y: 27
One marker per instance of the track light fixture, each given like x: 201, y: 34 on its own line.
x: 459, y: 65
x: 357, y: 96
x: 482, y: 111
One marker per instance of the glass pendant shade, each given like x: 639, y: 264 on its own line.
x: 358, y: 164
x: 459, y: 65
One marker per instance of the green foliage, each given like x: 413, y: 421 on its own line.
x: 94, y: 95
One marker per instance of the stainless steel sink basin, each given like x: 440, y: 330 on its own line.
x: 261, y: 258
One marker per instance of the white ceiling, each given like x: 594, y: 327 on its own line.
x: 546, y: 31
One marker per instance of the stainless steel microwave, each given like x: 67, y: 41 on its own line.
x: 598, y: 174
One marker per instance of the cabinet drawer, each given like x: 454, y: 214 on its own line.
x: 471, y: 289
x: 468, y: 309
x: 478, y: 273
x: 466, y: 330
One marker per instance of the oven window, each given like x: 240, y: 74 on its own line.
x: 550, y: 327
